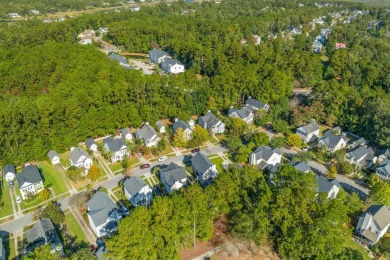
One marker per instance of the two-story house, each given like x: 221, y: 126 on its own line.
x: 309, y: 132
x: 332, y: 142
x: 9, y: 172
x: 204, y: 169
x: 43, y: 233
x: 265, y: 157
x: 91, y: 144
x: 148, y: 135
x: 103, y: 214
x: 117, y: 148
x: 330, y: 187
x: 54, y: 157
x: 80, y: 158
x: 210, y: 122
x: 29, y: 181
x: 255, y: 105
x: 373, y: 223
x: 244, y: 114
x: 137, y: 191
x: 383, y: 170
x: 173, y: 177
x: 173, y: 66
x: 361, y: 156
x: 158, y: 56
x: 187, y: 131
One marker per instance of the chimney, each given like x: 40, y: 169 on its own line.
x: 176, y: 119
x: 72, y: 148
x: 209, y: 111
x: 231, y: 106
x: 146, y: 123
x: 312, y: 120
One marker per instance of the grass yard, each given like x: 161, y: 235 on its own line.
x: 168, y: 149
x: 52, y: 178
x: 212, y: 155
x: 213, y: 139
x: 73, y: 227
x: 354, y: 251
x: 31, y: 203
x: 218, y: 162
x: 12, y: 252
x: 5, y: 197
x: 65, y: 156
x: 385, y: 242
x: 133, y: 160
x: 147, y: 181
x: 156, y: 180
x: 116, y: 166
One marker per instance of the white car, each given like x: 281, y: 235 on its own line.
x: 18, y: 199
x: 163, y: 158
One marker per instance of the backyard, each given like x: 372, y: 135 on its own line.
x: 354, y: 251
x: 218, y: 162
x: 73, y: 227
x: 52, y: 178
x: 6, y: 209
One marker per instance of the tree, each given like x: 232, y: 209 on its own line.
x: 125, y: 163
x: 233, y: 142
x: 75, y: 173
x: 345, y: 168
x: 94, y: 173
x: 379, y: 190
x: 54, y: 212
x: 260, y: 138
x: 43, y: 252
x: 237, y: 126
x: 303, y: 157
x: 294, y: 140
x: 199, y: 136
x: 79, y: 199
x: 332, y: 171
x: 179, y: 139
x: 278, y: 142
x: 162, y: 145
x: 280, y: 126
x: 339, y: 155
x: 242, y: 153
x: 44, y: 194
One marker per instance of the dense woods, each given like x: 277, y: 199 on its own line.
x: 57, y: 93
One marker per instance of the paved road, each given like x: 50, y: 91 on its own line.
x: 17, y: 224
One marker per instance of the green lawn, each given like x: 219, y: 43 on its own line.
x: 134, y: 160
x: 353, y: 250
x: 167, y: 150
x: 147, y: 182
x: 31, y: 203
x: 73, y: 227
x: 65, y: 156
x: 385, y: 242
x: 213, y: 140
x: 52, y: 178
x: 156, y: 179
x: 218, y: 162
x: 5, y: 197
x: 116, y: 166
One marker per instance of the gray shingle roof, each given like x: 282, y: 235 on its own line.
x: 360, y: 152
x: 381, y: 215
x: 43, y: 232
x: 310, y: 128
x: 173, y: 173
x: 255, y: 103
x: 301, y: 166
x: 114, y: 145
x: 155, y: 54
x: 208, y: 120
x: 360, y: 141
x: 324, y: 185
x: 51, y: 154
x: 9, y: 168
x: 264, y: 152
x: 76, y: 154
x: 385, y: 167
x: 242, y: 113
x: 330, y: 139
x: 100, y: 206
x: 118, y: 58
x: 3, y: 254
x: 180, y: 124
x: 159, y: 124
x: 170, y: 62
x: 146, y: 132
x: 134, y: 185
x: 90, y: 142
x: 30, y: 174
x: 125, y: 131
x: 201, y: 163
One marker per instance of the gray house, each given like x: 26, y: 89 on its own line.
x: 204, y: 169
x: 43, y: 233
x: 330, y: 187
x: 361, y: 156
x: 173, y: 177
x: 103, y: 214
x: 117, y: 147
x: 160, y: 127
x: 301, y: 166
x: 125, y: 133
x: 210, y: 122
x: 137, y: 191
x: 3, y: 253
x: 91, y: 144
x: 29, y: 181
x: 54, y: 157
x: 170, y: 65
x: 9, y: 172
x: 373, y: 223
x: 122, y: 61
x: 309, y: 132
x: 332, y: 142
x: 256, y: 105
x: 383, y: 170
x: 187, y: 131
x: 148, y: 135
x: 244, y: 113
x: 158, y: 56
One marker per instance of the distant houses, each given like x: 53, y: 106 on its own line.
x: 117, y: 147
x: 137, y: 191
x: 86, y: 37
x: 309, y: 132
x: 204, y: 169
x: 29, y: 181
x: 373, y: 224
x: 148, y: 135
x: 166, y: 62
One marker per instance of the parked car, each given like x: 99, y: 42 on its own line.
x: 144, y: 166
x: 18, y: 199
x: 195, y: 150
x: 11, y: 184
x: 163, y: 158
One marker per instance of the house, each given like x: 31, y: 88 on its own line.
x: 137, y: 191
x: 383, y: 155
x: 337, y: 130
x: 54, y: 157
x: 170, y: 65
x: 122, y: 61
x: 80, y: 158
x: 117, y: 147
x: 326, y: 32
x: 256, y: 39
x: 160, y: 127
x: 187, y: 131
x: 309, y: 132
x: 91, y: 144
x: 43, y: 233
x: 148, y: 135
x: 158, y: 56
x: 373, y: 223
x: 125, y: 133
x: 135, y: 8
x: 361, y: 157
x: 9, y: 172
x: 332, y: 142
x: 244, y: 113
x: 265, y: 157
x: 34, y: 12
x: 103, y: 214
x: 210, y: 122
x: 173, y: 177
x: 3, y: 253
x: 255, y: 105
x: 330, y: 187
x: 29, y: 181
x: 317, y: 46
x: 383, y: 170
x: 86, y: 37
x: 359, y: 142
x: 340, y: 45
x: 204, y: 169
x: 301, y: 166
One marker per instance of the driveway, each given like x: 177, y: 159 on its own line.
x: 142, y: 66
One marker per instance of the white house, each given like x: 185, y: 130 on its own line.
x: 330, y: 187
x: 9, y: 172
x: 173, y: 177
x: 332, y: 142
x: 309, y: 132
x: 137, y: 191
x: 54, y: 157
x: 265, y: 157
x: 103, y: 214
x: 160, y: 127
x: 244, y: 113
x: 148, y: 135
x: 204, y: 169
x: 361, y: 156
x: 256, y: 105
x: 80, y: 158
x: 117, y: 147
x: 187, y: 131
x: 173, y: 66
x: 373, y: 223
x: 91, y: 144
x: 158, y: 56
x: 125, y: 133
x: 383, y: 170
x: 210, y: 122
x: 29, y: 181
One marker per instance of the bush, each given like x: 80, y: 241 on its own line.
x: 278, y: 142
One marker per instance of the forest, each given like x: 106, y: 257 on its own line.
x: 57, y: 93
